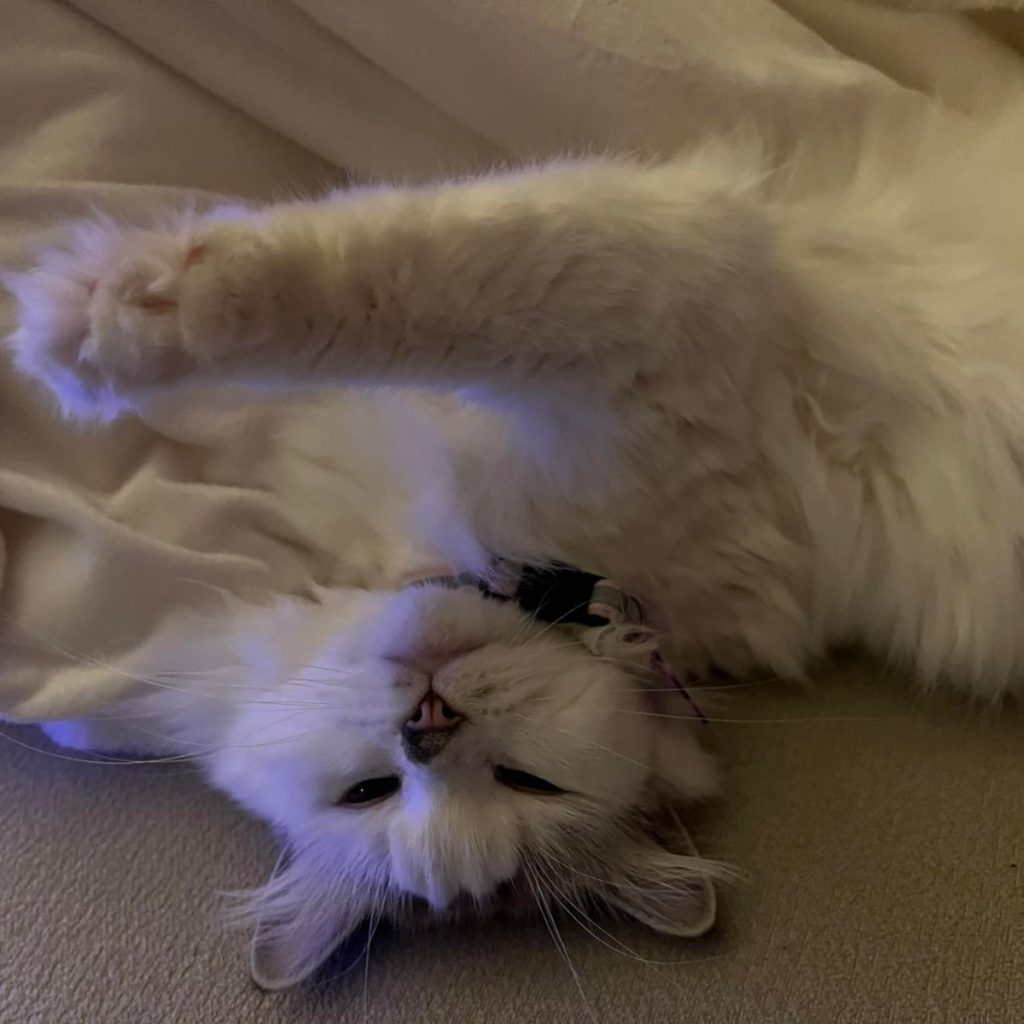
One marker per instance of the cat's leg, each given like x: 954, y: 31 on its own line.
x: 602, y: 271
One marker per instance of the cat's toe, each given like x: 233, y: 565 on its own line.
x: 98, y: 321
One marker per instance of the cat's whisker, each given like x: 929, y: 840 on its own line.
x: 196, y: 752
x: 138, y: 712
x: 581, y: 739
x: 514, y: 638
x: 585, y: 921
x: 83, y: 658
x: 98, y: 758
x: 334, y: 670
x: 246, y: 683
x: 615, y: 945
x: 206, y: 750
x: 546, y: 626
x: 698, y: 688
x: 133, y: 723
x: 618, y: 883
x: 695, y: 690
x: 209, y: 751
x: 549, y: 920
x: 565, y: 646
x: 371, y: 932
x: 194, y: 673
x: 765, y: 721
x: 217, y: 693
x: 248, y: 671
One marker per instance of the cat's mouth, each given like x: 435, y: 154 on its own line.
x: 512, y: 898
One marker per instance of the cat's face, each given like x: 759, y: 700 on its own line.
x: 436, y: 749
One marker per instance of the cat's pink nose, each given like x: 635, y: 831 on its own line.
x: 429, y: 729
x: 431, y: 715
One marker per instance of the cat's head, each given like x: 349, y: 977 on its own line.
x: 431, y: 751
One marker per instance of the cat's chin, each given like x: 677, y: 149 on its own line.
x: 512, y: 899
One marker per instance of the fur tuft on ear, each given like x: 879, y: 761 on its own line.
x: 683, y: 769
x: 302, y: 916
x: 662, y: 882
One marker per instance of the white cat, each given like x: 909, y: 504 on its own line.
x: 782, y: 404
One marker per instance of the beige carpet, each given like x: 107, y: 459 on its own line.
x: 884, y: 843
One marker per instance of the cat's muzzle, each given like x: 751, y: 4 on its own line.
x: 429, y: 729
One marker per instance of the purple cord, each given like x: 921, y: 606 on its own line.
x: 659, y: 662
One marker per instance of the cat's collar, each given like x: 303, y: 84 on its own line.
x: 551, y: 592
x: 556, y: 592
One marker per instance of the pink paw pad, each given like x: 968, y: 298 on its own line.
x: 196, y: 255
x: 156, y: 304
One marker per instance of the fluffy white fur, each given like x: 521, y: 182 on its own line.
x: 782, y: 401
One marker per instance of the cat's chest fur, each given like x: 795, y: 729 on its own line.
x: 397, y: 483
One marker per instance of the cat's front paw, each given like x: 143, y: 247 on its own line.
x: 125, y: 310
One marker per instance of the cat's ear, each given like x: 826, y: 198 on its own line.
x: 662, y: 882
x: 625, y: 641
x: 296, y: 934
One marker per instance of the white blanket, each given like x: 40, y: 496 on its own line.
x: 106, y: 532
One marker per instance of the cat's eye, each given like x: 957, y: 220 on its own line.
x: 370, y: 791
x: 516, y: 779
